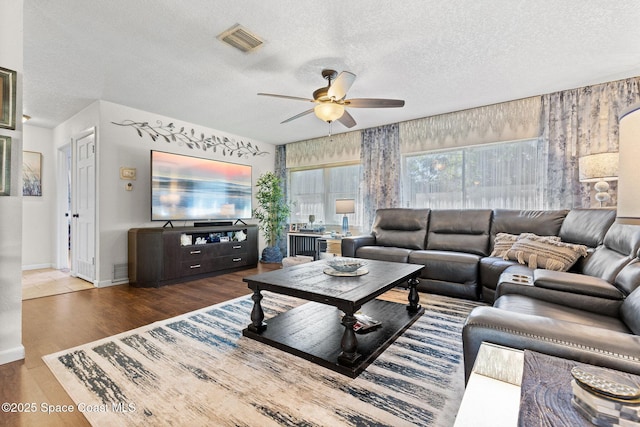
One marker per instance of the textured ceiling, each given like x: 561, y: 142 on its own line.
x: 162, y: 56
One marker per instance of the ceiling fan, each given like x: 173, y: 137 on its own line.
x: 331, y: 100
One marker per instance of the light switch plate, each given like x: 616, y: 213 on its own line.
x: 128, y: 173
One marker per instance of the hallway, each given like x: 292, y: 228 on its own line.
x: 47, y: 282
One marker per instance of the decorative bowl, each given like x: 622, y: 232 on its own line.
x: 345, y: 265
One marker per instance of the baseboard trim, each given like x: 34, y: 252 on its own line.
x: 12, y: 354
x: 36, y: 267
x: 107, y: 283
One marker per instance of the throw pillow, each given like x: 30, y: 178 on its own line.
x: 539, y: 238
x: 502, y: 243
x: 540, y: 252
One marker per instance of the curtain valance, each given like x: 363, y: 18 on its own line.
x: 507, y: 121
x: 341, y: 148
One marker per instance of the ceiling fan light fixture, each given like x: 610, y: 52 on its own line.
x: 329, y: 111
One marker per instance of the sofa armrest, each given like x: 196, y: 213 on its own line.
x: 593, y: 304
x: 568, y: 340
x: 576, y: 283
x: 351, y: 244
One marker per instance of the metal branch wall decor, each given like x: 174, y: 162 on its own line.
x: 170, y: 133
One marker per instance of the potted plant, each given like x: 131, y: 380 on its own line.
x: 272, y: 214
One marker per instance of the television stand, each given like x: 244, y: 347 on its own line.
x: 168, y: 223
x: 161, y: 256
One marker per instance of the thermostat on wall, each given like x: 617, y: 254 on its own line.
x: 127, y: 173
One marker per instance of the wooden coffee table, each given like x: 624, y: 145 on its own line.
x: 321, y: 331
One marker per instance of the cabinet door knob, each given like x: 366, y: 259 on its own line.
x: 195, y: 266
x: 237, y: 247
x: 237, y: 259
x: 195, y: 252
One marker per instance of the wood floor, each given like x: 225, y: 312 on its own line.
x: 55, y: 323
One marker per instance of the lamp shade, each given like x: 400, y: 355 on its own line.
x: 628, y: 210
x: 329, y: 111
x: 598, y: 167
x: 345, y: 206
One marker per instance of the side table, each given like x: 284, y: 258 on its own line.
x: 329, y: 247
x: 492, y: 396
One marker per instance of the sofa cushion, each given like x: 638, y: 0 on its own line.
x: 542, y: 223
x: 628, y: 280
x: 531, y: 306
x: 384, y: 253
x: 456, y: 267
x: 402, y: 228
x: 630, y: 311
x: 587, y: 226
x: 460, y: 230
x: 543, y: 252
x: 619, y: 247
x: 576, y: 284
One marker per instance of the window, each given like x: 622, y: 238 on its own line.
x: 503, y: 175
x: 314, y: 192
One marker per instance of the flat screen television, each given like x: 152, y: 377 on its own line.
x: 185, y: 188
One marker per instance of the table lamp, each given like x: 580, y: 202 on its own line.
x: 628, y: 209
x: 599, y: 168
x: 345, y: 206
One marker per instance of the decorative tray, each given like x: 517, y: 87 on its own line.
x: 359, y: 272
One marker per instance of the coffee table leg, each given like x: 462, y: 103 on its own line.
x: 349, y: 343
x: 257, y: 314
x: 414, y: 297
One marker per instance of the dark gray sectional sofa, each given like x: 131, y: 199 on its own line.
x: 589, y: 313
x: 455, y: 245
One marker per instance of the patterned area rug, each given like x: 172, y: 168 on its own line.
x: 197, y: 369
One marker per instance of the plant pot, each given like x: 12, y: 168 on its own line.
x: 271, y: 254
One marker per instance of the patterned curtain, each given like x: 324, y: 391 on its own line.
x: 380, y: 161
x: 280, y: 169
x: 576, y: 123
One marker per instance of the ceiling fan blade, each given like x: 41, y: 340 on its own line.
x: 374, y: 103
x: 347, y: 120
x: 297, y: 116
x: 341, y: 85
x: 297, y: 98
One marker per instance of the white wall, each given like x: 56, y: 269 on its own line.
x: 117, y: 146
x: 11, y: 348
x: 38, y: 212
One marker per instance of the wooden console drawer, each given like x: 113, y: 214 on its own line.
x: 157, y: 256
x: 205, y: 265
x: 213, y: 250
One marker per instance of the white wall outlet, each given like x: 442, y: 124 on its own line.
x: 127, y: 173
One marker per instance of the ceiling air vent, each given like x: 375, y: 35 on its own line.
x: 241, y: 38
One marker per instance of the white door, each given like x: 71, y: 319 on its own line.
x: 83, y: 201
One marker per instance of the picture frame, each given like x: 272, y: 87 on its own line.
x: 31, y: 173
x: 5, y: 165
x: 7, y: 98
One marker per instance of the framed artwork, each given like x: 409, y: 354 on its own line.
x: 31, y: 173
x: 7, y: 98
x: 5, y: 166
